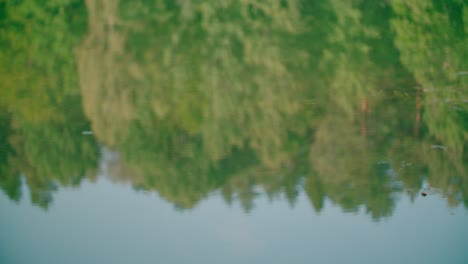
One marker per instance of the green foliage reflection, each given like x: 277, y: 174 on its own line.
x: 40, y: 102
x: 241, y: 97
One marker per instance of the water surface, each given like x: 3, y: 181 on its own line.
x: 233, y: 131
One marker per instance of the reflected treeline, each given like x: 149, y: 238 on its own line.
x: 349, y: 101
x: 40, y: 104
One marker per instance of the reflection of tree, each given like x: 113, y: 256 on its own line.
x: 196, y: 81
x: 9, y: 181
x: 345, y: 162
x: 184, y: 93
x: 205, y: 90
x: 240, y: 96
x: 431, y: 36
x: 39, y: 92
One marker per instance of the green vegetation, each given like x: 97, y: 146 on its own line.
x: 350, y: 101
x: 40, y: 103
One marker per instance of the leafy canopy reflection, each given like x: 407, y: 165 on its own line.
x: 326, y: 98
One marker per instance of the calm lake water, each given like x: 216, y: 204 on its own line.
x: 233, y: 131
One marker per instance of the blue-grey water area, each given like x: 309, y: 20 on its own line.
x: 103, y: 222
x: 254, y: 131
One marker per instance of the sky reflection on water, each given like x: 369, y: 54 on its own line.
x: 104, y: 222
